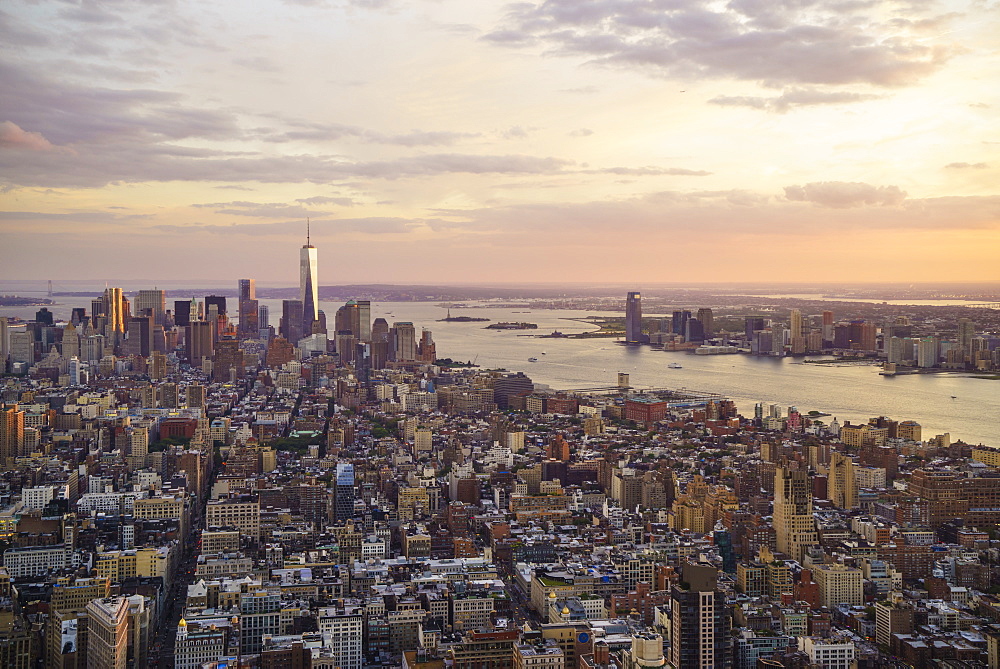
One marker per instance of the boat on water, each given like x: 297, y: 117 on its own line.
x: 674, y: 365
x: 532, y: 359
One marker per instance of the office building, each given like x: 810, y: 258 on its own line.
x: 152, y: 302
x: 345, y: 627
x: 114, y: 306
x: 348, y: 319
x: 217, y: 301
x: 707, y: 320
x: 633, y: 318
x: 699, y: 621
x: 794, y: 526
x: 795, y: 323
x: 199, y: 342
x: 928, y: 352
x: 839, y: 584
x: 510, y: 385
x: 828, y: 653
x: 344, y: 495
x: 11, y: 433
x: 198, y: 644
x: 227, y: 362
x: 308, y: 286
x: 183, y: 314
x: 892, y: 616
x: 4, y: 341
x: 248, y: 305
x: 290, y: 326
x: 365, y: 320
x: 107, y: 633
x: 693, y: 330
x: 842, y: 482
x: 678, y: 321
x: 752, y: 325
x: 404, y: 342
x: 140, y: 336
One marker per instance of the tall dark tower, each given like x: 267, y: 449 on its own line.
x: 699, y: 621
x: 249, y: 323
x: 308, y: 288
x: 633, y: 318
x: 344, y: 500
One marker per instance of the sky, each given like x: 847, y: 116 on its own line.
x: 455, y: 141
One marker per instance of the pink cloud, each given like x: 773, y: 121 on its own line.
x: 13, y: 136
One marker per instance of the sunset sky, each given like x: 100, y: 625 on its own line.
x: 467, y: 141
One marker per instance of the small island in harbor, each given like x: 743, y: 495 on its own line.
x: 512, y: 326
x: 461, y: 319
x: 17, y: 301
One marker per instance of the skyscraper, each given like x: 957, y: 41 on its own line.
x: 777, y: 339
x: 405, y: 339
x: 153, y: 300
x: 794, y: 525
x: 107, y: 640
x: 678, y: 321
x: 292, y: 319
x: 4, y: 342
x: 828, y: 326
x: 707, y: 321
x: 365, y: 319
x: 182, y: 313
x: 699, y: 620
x: 842, y: 482
x: 219, y: 301
x: 199, y: 341
x: 344, y: 499
x: 752, y: 324
x: 249, y: 323
x: 140, y: 336
x: 114, y: 307
x: 11, y: 433
x: 308, y: 286
x: 966, y: 331
x: 633, y: 318
x: 795, y: 320
x: 348, y: 319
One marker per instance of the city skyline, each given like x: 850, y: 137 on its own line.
x: 648, y: 143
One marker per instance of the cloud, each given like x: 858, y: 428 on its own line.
x: 322, y: 199
x: 134, y: 163
x: 374, y: 225
x: 422, y: 138
x: 73, y: 216
x: 67, y: 113
x: 514, y: 132
x: 329, y: 132
x: 581, y: 132
x: 740, y: 214
x: 793, y: 97
x: 843, y: 194
x: 650, y: 171
x: 13, y: 137
x: 966, y: 166
x: 758, y: 40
